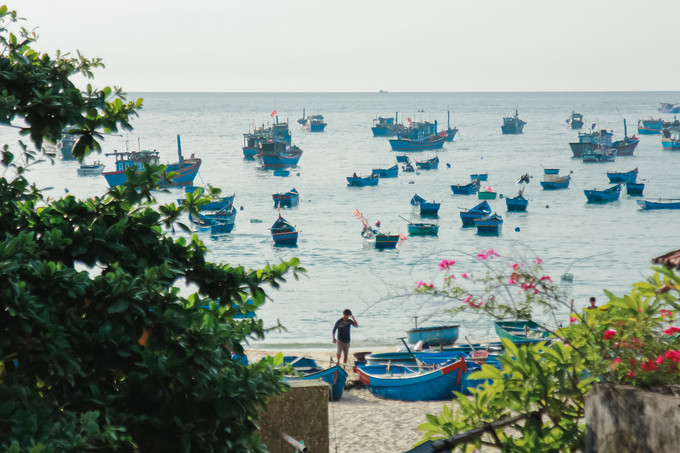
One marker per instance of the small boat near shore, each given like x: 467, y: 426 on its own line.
x: 334, y: 376
x: 434, y: 336
x: 521, y: 332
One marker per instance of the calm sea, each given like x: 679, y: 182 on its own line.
x: 604, y: 246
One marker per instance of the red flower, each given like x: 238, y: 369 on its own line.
x: 671, y: 330
x: 546, y: 278
x: 572, y: 319
x: 649, y: 365
x: 659, y: 360
x: 609, y: 334
x: 538, y: 261
x: 630, y: 374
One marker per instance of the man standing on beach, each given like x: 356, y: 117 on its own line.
x: 343, y: 325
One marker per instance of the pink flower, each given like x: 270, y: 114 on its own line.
x: 516, y: 266
x: 668, y: 313
x: 484, y: 254
x: 445, y: 264
x: 609, y: 334
x: 659, y: 360
x: 423, y: 284
x: 464, y: 275
x: 615, y: 362
x: 467, y: 299
x: 538, y: 261
x: 671, y: 330
x: 546, y: 278
x: 630, y: 374
x: 572, y: 319
x: 512, y: 281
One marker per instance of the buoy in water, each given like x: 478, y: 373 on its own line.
x: 547, y: 206
x: 517, y: 229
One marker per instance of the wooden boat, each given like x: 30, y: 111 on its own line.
x: 94, y: 169
x: 575, y: 120
x: 512, y: 124
x: 626, y: 176
x: 391, y: 172
x: 490, y: 224
x: 468, y: 216
x: 434, y: 336
x: 290, y: 198
x: 634, y: 188
x: 486, y: 195
x: 422, y: 229
x: 405, y: 384
x: 470, y: 188
x: 361, y: 181
x: 517, y: 204
x: 411, y: 359
x: 521, y: 332
x: 424, y: 208
x: 284, y: 233
x: 603, y: 196
x: 335, y: 376
x: 186, y: 169
x: 429, y: 164
x: 661, y: 203
x: 555, y: 182
x: 480, y: 176
x: 214, y: 222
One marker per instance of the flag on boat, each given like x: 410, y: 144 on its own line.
x: 409, y: 120
x: 274, y: 113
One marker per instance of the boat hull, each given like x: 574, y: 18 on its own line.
x: 400, y: 144
x: 361, y: 182
x: 423, y: 229
x: 185, y: 175
x: 386, y: 241
x: 335, y: 376
x: 466, y: 189
x: 670, y: 144
x: 635, y: 188
x: 625, y: 147
x: 485, y: 195
x: 434, y: 336
x: 622, y: 177
x: 391, y: 172
x: 517, y: 204
x: 289, y: 238
x: 521, y: 332
x: 649, y: 205
x: 603, y: 196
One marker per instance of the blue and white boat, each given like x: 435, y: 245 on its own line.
x: 651, y: 126
x: 553, y: 181
x: 575, y: 120
x: 276, y: 155
x: 420, y: 137
x: 214, y: 222
x: 667, y: 107
x: 65, y: 145
x: 670, y: 139
x: 469, y: 216
x: 334, y: 376
x: 94, y: 169
x: 490, y: 224
x: 590, y: 140
x: 661, y: 203
x: 603, y: 196
x: 422, y: 229
x: 429, y: 164
x: 391, y: 172
x: 411, y: 359
x: 599, y: 154
x: 480, y: 176
x: 423, y: 207
x: 470, y: 188
x: 313, y: 123
x: 512, y: 124
x: 402, y: 158
x: 361, y: 181
x: 215, y: 204
x: 283, y: 232
x: 185, y: 170
x: 626, y: 176
x: 409, y: 384
x: 521, y: 332
x: 387, y: 127
x: 290, y: 198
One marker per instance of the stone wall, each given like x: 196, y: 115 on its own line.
x: 302, y: 413
x: 622, y: 418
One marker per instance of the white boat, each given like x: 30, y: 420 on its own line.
x: 95, y: 169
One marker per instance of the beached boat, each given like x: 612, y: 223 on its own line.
x: 410, y: 359
x: 283, y: 232
x: 667, y: 107
x: 391, y: 172
x: 424, y: 208
x: 603, y: 196
x: 661, y: 203
x: 468, y: 216
x: 670, y: 139
x: 490, y: 224
x: 94, y: 169
x: 214, y: 222
x: 387, y: 127
x: 553, y: 181
x: 290, y: 198
x: 575, y: 120
x: 434, y: 336
x: 599, y: 154
x: 429, y: 164
x: 185, y: 169
x: 361, y: 181
x: 334, y: 376
x: 521, y: 332
x: 635, y: 189
x: 65, y: 145
x: 409, y: 384
x: 625, y: 176
x: 422, y: 229
x: 470, y: 188
x: 590, y: 140
x: 517, y: 204
x: 419, y: 137
x: 512, y: 124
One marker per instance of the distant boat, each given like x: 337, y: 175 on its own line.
x: 634, y: 188
x: 421, y: 136
x: 216, y: 204
x: 602, y: 196
x: 480, y: 176
x: 470, y: 188
x: 383, y: 91
x: 575, y: 120
x: 361, y: 181
x: 290, y: 198
x: 65, y: 145
x: 214, y: 222
x: 450, y: 131
x: 313, y: 123
x: 517, y: 204
x: 429, y: 164
x: 186, y: 169
x: 490, y: 224
x: 283, y: 232
x: 391, y: 172
x: 374, y: 237
x: 521, y: 332
x: 651, y: 126
x: 590, y: 140
x: 94, y: 169
x: 387, y: 127
x: 407, y: 168
x: 627, y: 176
x: 670, y: 139
x: 552, y: 180
x: 424, y: 208
x: 422, y: 229
x: 468, y: 216
x: 669, y: 108
x: 661, y: 203
x: 512, y: 124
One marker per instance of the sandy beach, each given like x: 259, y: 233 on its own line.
x: 362, y: 422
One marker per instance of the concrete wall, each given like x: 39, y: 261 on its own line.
x: 301, y: 413
x: 622, y: 419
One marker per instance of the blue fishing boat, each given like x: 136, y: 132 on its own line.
x: 480, y: 176
x: 521, y: 332
x: 603, y: 196
x: 185, y: 169
x: 420, y: 137
x: 669, y: 108
x: 214, y: 222
x: 300, y: 363
x: 661, y: 203
x: 490, y: 224
x: 553, y: 181
x: 361, y: 181
x: 406, y: 384
x: 635, y: 189
x: 434, y: 336
x: 382, y: 240
x: 275, y: 155
x: 517, y: 204
x: 252, y: 140
x: 470, y: 188
x: 468, y: 216
x: 487, y: 194
x: 391, y: 172
x: 280, y: 172
x: 407, y: 168
x: 651, y: 126
x: 335, y: 376
x: 387, y: 127
x: 551, y: 171
x: 290, y: 198
x: 575, y: 120
x: 512, y: 124
x: 411, y: 359
x: 625, y: 176
x: 424, y: 208
x: 670, y: 139
x: 215, y: 204
x: 283, y: 233
x: 429, y: 164
x: 403, y: 158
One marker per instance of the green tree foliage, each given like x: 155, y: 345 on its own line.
x: 99, y: 348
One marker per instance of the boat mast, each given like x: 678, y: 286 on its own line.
x: 179, y: 150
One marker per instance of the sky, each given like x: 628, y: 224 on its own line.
x: 366, y: 45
